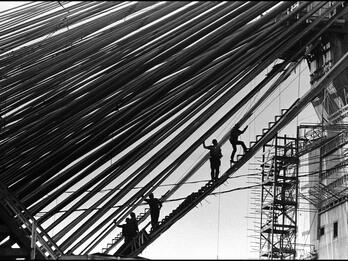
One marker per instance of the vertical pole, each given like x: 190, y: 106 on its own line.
x: 33, y: 241
x: 319, y: 180
x: 275, y: 177
x: 297, y: 184
x: 283, y: 199
x: 261, y: 205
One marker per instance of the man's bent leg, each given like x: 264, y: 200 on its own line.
x: 234, y: 149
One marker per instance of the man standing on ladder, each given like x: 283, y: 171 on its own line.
x: 155, y: 206
x: 235, y: 132
x: 215, y: 156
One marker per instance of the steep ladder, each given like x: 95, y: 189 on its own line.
x: 144, y: 238
x: 40, y: 240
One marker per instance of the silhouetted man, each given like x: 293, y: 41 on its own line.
x: 215, y: 156
x: 126, y: 230
x: 235, y: 132
x: 155, y: 205
x: 134, y: 225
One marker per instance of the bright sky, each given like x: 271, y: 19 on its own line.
x: 10, y: 4
x: 220, y: 227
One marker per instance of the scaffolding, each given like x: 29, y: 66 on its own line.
x: 279, y: 196
x: 330, y: 186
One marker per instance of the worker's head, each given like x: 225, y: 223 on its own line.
x: 132, y: 215
x: 215, y: 142
x: 151, y: 195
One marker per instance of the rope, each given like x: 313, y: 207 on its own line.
x: 218, y: 227
x: 298, y: 89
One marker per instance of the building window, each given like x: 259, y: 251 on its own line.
x: 322, y: 231
x: 335, y: 229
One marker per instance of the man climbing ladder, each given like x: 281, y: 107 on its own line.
x: 235, y: 132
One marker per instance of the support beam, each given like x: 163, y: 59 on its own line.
x: 9, y: 253
x: 15, y: 232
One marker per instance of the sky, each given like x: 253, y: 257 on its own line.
x: 221, y: 227
x: 4, y: 5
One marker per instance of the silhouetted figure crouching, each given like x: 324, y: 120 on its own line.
x: 126, y: 230
x: 127, y: 233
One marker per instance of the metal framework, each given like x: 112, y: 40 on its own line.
x: 41, y: 244
x: 327, y: 186
x: 327, y: 139
x: 82, y: 110
x: 279, y: 194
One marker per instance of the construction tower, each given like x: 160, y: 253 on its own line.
x: 279, y: 199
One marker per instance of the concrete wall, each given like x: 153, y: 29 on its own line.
x: 330, y: 247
